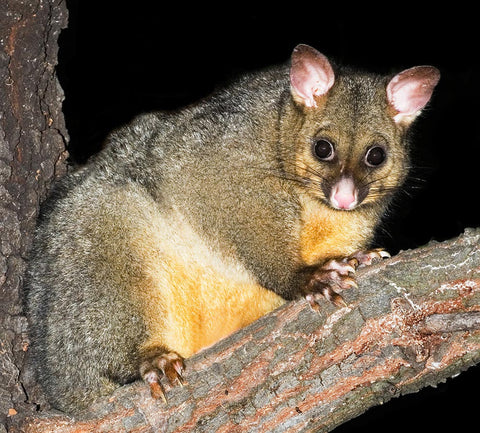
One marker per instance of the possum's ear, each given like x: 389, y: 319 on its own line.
x: 409, y: 91
x: 311, y: 75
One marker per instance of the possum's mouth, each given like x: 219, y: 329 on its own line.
x: 344, y: 194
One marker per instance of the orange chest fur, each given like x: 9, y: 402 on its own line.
x: 327, y: 233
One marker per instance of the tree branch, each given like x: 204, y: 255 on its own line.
x: 413, y: 322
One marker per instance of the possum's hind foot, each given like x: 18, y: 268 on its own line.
x: 338, y: 274
x: 155, y: 365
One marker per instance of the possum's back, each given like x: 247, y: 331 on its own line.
x: 82, y: 261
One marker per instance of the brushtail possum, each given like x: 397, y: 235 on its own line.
x: 268, y: 190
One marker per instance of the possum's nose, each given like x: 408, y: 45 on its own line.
x: 344, y: 195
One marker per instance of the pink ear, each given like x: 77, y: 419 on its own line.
x: 311, y: 75
x: 409, y: 91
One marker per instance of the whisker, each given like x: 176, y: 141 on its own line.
x: 309, y: 178
x: 308, y: 169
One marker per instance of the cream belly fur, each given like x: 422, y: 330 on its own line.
x: 189, y: 295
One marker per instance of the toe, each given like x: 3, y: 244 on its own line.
x: 365, y: 258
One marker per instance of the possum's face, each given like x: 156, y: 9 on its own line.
x: 351, y: 150
x: 345, y: 175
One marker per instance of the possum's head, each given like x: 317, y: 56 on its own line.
x: 351, y: 149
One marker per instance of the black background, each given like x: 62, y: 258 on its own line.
x: 119, y: 59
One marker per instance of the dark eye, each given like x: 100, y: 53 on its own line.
x: 375, y: 156
x: 323, y: 150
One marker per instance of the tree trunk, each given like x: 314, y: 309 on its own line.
x: 32, y: 154
x: 413, y: 322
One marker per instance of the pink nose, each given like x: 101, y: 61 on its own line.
x: 344, y: 194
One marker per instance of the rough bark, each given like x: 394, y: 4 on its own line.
x: 32, y: 154
x: 413, y: 322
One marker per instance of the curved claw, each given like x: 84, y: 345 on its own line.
x: 341, y: 267
x: 327, y: 293
x: 172, y: 366
x: 384, y: 254
x: 156, y: 389
x: 364, y: 258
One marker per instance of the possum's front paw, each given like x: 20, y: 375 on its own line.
x: 338, y: 274
x: 155, y: 365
